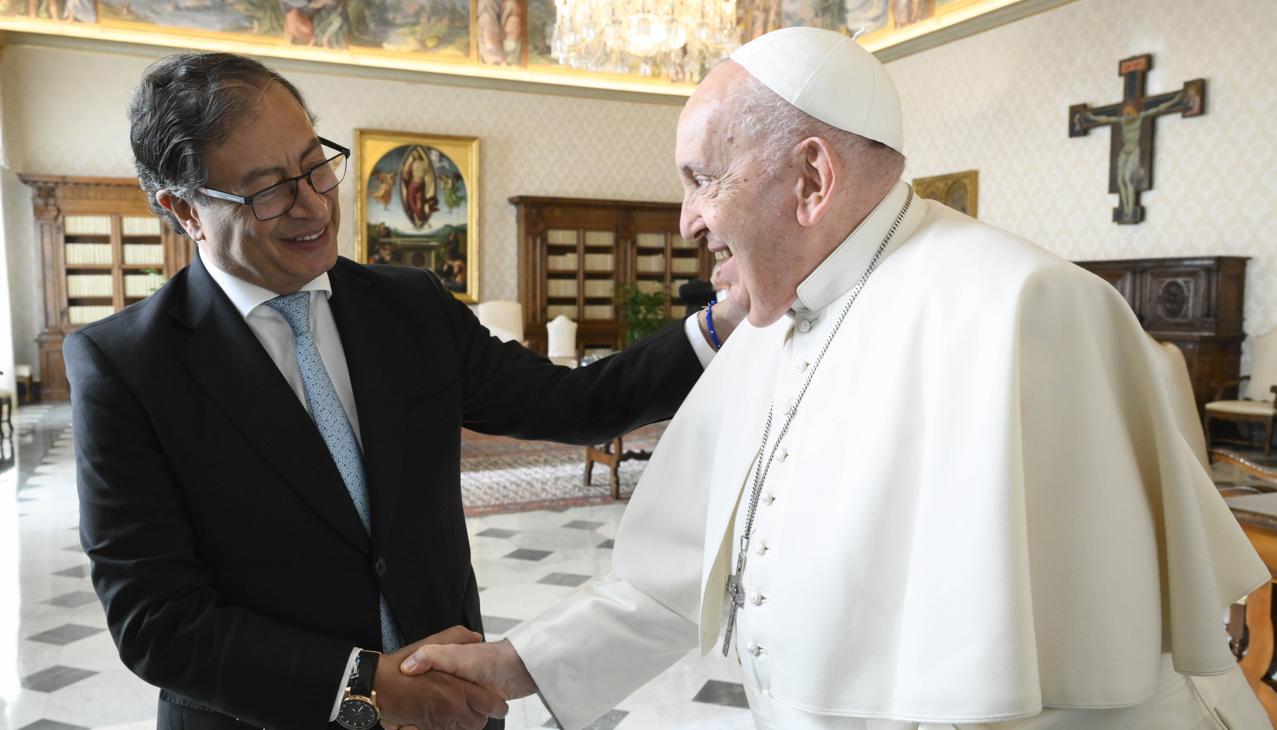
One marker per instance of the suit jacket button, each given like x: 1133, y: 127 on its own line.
x: 380, y: 566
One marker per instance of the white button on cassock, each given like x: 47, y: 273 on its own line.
x: 753, y: 648
x: 784, y: 454
x: 760, y: 548
x: 802, y: 365
x: 804, y: 325
x: 757, y: 599
x: 769, y: 498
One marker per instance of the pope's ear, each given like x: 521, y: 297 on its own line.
x: 183, y: 211
x: 817, y: 179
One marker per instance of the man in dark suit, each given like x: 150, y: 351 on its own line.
x: 268, y: 447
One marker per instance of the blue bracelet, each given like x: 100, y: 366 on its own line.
x: 709, y: 324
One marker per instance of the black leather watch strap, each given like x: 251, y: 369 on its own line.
x: 365, y: 672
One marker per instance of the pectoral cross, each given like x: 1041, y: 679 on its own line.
x: 1131, y: 119
x: 735, y: 594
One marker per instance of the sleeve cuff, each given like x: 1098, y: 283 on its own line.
x: 341, y: 688
x: 704, y: 352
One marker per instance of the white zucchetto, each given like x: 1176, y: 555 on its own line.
x: 829, y: 76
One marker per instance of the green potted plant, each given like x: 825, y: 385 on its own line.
x: 642, y: 313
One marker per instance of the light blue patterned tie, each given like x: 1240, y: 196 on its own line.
x: 334, y: 427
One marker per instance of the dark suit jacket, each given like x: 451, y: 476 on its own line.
x: 233, y: 567
x: 696, y: 293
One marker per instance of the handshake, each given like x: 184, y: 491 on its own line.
x: 452, y: 679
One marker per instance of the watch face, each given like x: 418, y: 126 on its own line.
x: 357, y: 715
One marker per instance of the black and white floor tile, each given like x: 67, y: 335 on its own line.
x: 67, y: 675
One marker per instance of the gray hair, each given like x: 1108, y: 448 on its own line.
x: 185, y: 103
x: 776, y: 127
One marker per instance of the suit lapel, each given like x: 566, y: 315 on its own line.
x: 225, y: 357
x: 365, y: 327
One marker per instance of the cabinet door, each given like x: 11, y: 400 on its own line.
x: 1125, y: 281
x: 599, y: 263
x: 1177, y: 299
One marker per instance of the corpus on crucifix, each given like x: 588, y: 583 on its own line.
x: 1131, y: 120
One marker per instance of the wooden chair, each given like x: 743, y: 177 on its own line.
x: 504, y: 319
x: 1257, y: 404
x: 1251, y: 624
x: 6, y: 413
x: 611, y: 454
x: 26, y: 383
x: 561, y: 341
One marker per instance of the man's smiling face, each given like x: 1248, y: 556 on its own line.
x: 740, y: 209
x: 274, y: 142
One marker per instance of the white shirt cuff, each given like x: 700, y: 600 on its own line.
x: 704, y: 351
x: 345, y: 678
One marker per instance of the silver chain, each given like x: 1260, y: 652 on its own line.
x: 760, y: 473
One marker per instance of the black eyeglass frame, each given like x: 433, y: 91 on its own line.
x: 295, y: 180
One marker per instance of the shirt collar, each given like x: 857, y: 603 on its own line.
x: 247, y: 296
x: 840, y: 271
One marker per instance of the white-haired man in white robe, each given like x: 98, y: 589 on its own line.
x: 934, y: 483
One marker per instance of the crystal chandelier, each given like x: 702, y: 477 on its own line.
x: 677, y: 38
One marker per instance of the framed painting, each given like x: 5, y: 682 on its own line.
x: 958, y: 190
x: 417, y: 205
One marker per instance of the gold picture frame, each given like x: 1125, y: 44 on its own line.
x: 417, y: 205
x: 958, y: 190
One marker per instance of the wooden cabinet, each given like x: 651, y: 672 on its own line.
x: 575, y: 253
x: 1195, y: 303
x: 102, y: 249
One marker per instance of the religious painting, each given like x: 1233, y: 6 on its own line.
x: 510, y: 40
x: 79, y: 11
x: 417, y: 205
x: 439, y: 27
x: 908, y: 12
x: 958, y: 190
x: 499, y: 31
x: 865, y: 16
x: 540, y: 22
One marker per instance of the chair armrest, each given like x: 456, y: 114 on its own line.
x: 1223, y: 385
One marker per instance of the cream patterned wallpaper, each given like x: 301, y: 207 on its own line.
x: 996, y: 102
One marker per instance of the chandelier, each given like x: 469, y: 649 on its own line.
x: 677, y: 38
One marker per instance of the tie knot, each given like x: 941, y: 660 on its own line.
x: 296, y: 309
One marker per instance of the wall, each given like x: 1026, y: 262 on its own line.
x: 65, y: 115
x: 7, y: 380
x: 998, y: 102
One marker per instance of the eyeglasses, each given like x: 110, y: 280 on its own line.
x: 278, y: 199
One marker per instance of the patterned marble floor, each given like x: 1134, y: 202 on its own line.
x: 59, y: 669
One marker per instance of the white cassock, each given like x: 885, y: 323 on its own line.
x: 982, y: 514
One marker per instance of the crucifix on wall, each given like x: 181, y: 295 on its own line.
x: 1131, y: 119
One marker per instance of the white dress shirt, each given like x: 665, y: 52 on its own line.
x: 276, y: 336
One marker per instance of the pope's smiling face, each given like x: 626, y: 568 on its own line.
x: 739, y: 208
x: 274, y: 142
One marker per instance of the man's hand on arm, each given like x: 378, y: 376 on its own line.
x: 436, y: 699
x: 496, y: 666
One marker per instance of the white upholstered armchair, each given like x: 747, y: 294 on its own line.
x: 1255, y: 394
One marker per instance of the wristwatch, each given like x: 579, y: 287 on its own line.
x: 358, y: 710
